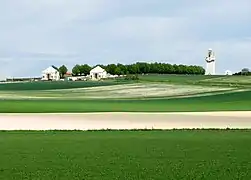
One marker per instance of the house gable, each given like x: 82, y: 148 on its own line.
x: 97, y: 69
x: 51, y: 69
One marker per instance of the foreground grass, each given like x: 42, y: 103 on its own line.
x: 238, y: 101
x: 128, y: 155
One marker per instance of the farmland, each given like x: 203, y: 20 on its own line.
x: 177, y: 78
x: 220, y: 102
x: 217, y: 80
x: 125, y: 91
x: 165, y: 93
x: 129, y: 155
x: 141, y: 154
x: 21, y: 86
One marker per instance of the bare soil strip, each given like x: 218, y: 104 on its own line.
x: 121, y: 121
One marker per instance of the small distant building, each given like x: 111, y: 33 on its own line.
x: 98, y: 73
x: 228, y: 72
x: 51, y: 74
x: 68, y: 74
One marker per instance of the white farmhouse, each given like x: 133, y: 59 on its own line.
x: 98, y: 73
x: 51, y: 74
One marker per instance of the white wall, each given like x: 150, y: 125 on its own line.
x: 99, y: 74
x: 55, y: 76
x: 210, y: 68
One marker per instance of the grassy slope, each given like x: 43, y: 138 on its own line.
x: 134, y: 155
x: 221, y: 102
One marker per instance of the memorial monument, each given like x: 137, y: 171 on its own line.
x: 210, y: 60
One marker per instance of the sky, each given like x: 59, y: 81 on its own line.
x: 37, y: 34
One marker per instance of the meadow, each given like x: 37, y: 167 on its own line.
x: 129, y: 155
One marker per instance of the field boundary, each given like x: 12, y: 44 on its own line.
x: 126, y: 121
x: 139, y: 113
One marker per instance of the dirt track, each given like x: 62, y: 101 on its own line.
x: 94, y: 121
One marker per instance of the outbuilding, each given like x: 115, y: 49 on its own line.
x: 98, y: 73
x: 228, y: 72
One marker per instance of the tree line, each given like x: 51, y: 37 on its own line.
x: 243, y: 72
x: 136, y: 68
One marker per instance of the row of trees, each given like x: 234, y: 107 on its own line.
x: 83, y: 69
x: 243, y: 72
x: 156, y: 68
x: 137, y: 68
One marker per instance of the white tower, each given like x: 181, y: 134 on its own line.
x: 210, y: 60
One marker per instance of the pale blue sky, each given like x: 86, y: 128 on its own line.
x: 37, y: 33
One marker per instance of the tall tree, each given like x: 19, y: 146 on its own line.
x: 85, y: 69
x: 62, y: 70
x: 111, y: 68
x: 122, y: 68
x: 245, y: 71
x: 76, y: 70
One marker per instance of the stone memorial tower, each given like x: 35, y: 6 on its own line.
x: 210, y: 60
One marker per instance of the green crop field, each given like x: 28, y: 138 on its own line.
x: 152, y: 93
x: 128, y: 155
x: 118, y: 91
x: 241, y: 80
x: 229, y: 101
x: 176, y: 78
x: 219, y: 80
x: 55, y: 85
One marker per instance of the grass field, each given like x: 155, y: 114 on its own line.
x: 221, y: 102
x: 128, y: 155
